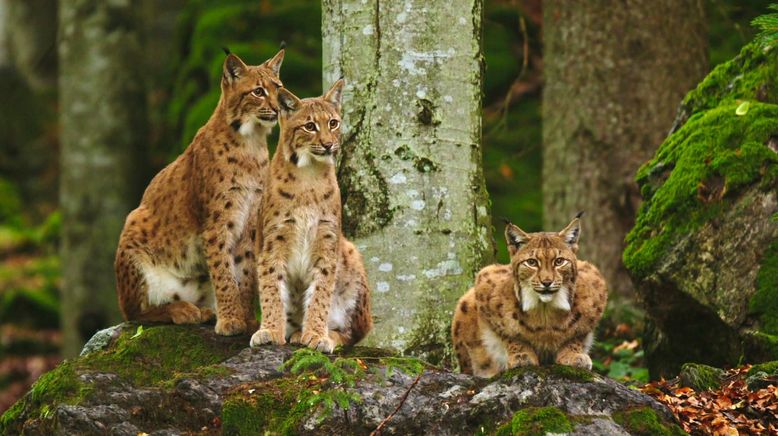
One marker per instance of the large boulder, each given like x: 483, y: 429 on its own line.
x: 704, y: 249
x: 166, y: 380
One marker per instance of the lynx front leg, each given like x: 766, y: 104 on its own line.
x: 272, y: 292
x: 318, y: 296
x: 573, y: 353
x: 521, y: 354
x: 220, y: 237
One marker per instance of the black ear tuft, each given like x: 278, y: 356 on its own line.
x: 282, y: 45
x: 505, y: 220
x: 579, y: 214
x: 226, y: 51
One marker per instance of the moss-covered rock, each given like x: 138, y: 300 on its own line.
x: 701, y: 377
x: 703, y: 249
x: 189, y: 380
x: 645, y: 422
x: 762, y: 375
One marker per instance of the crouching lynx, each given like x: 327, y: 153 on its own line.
x: 190, y: 235
x: 313, y: 286
x: 542, y: 308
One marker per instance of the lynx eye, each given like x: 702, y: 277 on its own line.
x: 259, y: 92
x: 559, y: 261
x: 310, y: 126
x: 334, y: 124
x: 531, y: 262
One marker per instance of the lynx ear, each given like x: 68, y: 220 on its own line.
x: 233, y: 68
x: 515, y: 237
x: 289, y: 102
x: 335, y: 93
x: 572, y: 232
x: 274, y: 63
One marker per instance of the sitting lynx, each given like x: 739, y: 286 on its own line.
x: 542, y: 308
x: 313, y: 286
x: 190, y: 237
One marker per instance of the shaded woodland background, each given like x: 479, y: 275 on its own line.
x: 177, y: 57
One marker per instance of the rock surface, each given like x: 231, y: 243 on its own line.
x: 172, y: 379
x: 704, y: 249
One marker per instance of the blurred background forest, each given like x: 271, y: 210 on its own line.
x: 181, y: 56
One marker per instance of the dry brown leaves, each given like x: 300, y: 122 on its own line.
x: 732, y: 410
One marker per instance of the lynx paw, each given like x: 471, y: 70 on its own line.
x: 578, y: 360
x: 322, y: 343
x: 185, y: 313
x: 267, y: 336
x: 296, y: 337
x: 206, y: 314
x: 524, y: 359
x: 230, y: 326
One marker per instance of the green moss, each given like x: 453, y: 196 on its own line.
x: 751, y: 75
x: 562, y: 371
x: 253, y: 409
x: 645, y: 421
x: 764, y: 304
x: 149, y: 359
x: 58, y: 386
x: 770, y: 368
x: 701, y: 377
x: 714, y: 154
x: 536, y: 421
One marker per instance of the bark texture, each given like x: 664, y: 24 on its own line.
x: 415, y: 202
x: 129, y: 383
x: 103, y: 122
x: 615, y: 72
x: 32, y: 27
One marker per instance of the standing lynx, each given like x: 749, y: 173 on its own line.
x: 541, y: 308
x: 313, y: 286
x: 188, y: 248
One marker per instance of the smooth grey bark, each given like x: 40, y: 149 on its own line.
x: 615, y: 73
x: 5, y: 57
x: 103, y: 121
x: 410, y: 173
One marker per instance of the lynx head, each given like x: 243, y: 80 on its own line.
x: 250, y: 93
x: 310, y: 128
x: 544, y: 265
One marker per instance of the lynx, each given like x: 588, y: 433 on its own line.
x: 542, y: 308
x: 188, y: 249
x: 313, y: 285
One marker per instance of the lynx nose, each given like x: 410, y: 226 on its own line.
x: 328, y: 145
x: 547, y: 283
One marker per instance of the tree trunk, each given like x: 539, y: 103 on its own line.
x: 103, y: 121
x: 415, y: 202
x: 32, y: 26
x: 615, y: 73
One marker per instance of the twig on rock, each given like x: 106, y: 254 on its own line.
x: 377, y: 431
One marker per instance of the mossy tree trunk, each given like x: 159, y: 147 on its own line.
x: 102, y: 122
x: 410, y: 172
x: 32, y: 27
x: 615, y: 73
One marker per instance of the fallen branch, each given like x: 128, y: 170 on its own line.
x: 377, y: 430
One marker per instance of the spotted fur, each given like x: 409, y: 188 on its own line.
x: 542, y: 308
x: 313, y: 285
x: 187, y: 252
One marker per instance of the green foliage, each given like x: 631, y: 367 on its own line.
x: 406, y: 365
x: 536, y: 421
x: 623, y: 364
x: 335, y: 376
x: 768, y: 26
x: 644, y: 421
